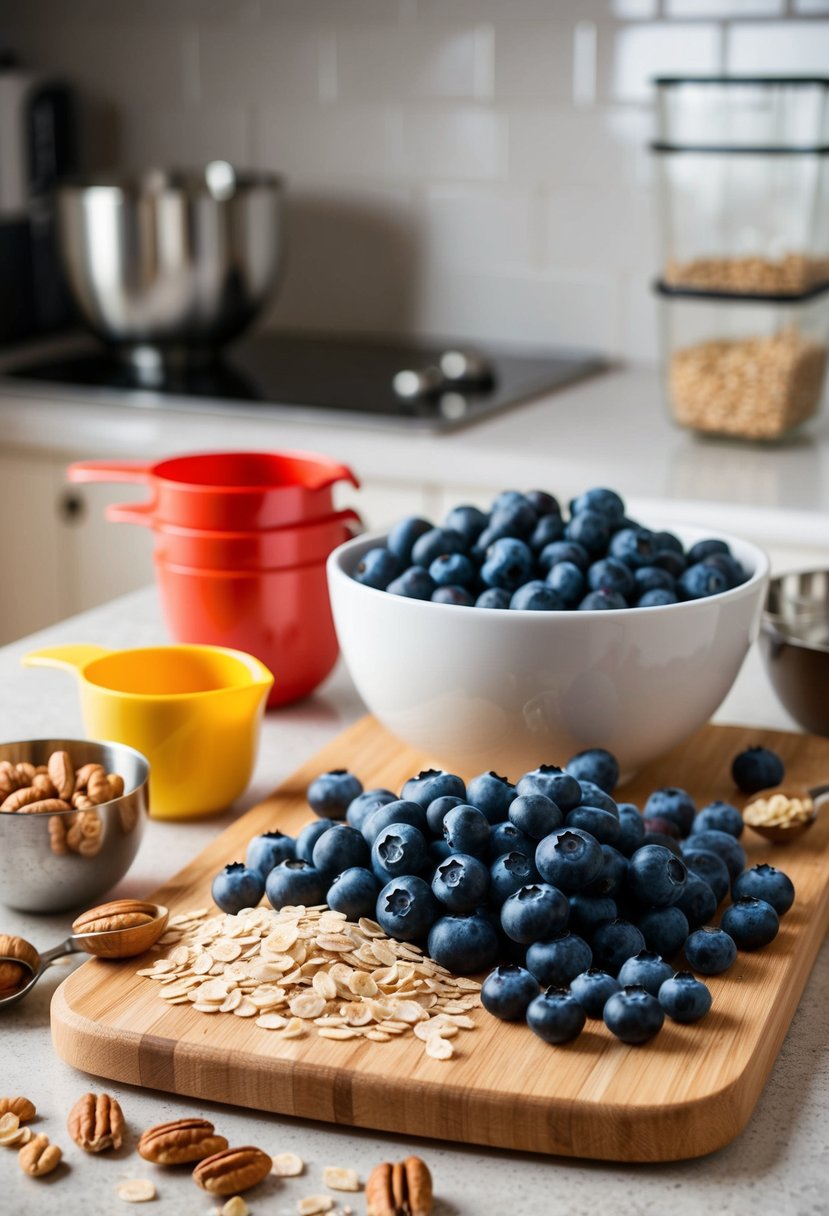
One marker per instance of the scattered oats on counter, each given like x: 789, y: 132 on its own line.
x: 136, y: 1190
x: 302, y: 967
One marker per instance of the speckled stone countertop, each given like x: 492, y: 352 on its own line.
x: 777, y: 1166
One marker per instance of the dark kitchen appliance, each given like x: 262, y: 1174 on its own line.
x: 37, y: 147
x: 318, y: 378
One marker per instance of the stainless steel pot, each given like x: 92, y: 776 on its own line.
x: 171, y: 261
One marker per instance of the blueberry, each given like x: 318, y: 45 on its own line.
x: 722, y: 817
x: 559, y: 959
x: 406, y: 908
x: 568, y: 582
x: 555, y: 1016
x: 438, y: 851
x: 606, y: 502
x: 667, y: 540
x: 517, y: 516
x: 543, y: 503
x: 725, y: 846
x: 399, y: 849
x: 338, y: 849
x: 602, y: 600
x: 594, y: 795
x: 549, y: 528
x: 535, y: 815
x: 432, y: 783
x: 493, y: 597
x: 377, y: 568
x: 267, y: 850
x: 563, y: 551
x: 508, y: 564
x: 611, y: 574
x: 461, y: 883
x: 613, y: 942
x: 295, y: 882
x: 597, y: 765
x: 671, y: 843
x: 589, y: 528
x: 434, y: 544
x: 533, y: 912
x: 592, y: 989
x: 708, y: 866
x: 632, y: 828
x: 697, y: 901
x: 363, y: 805
x: 330, y: 793
x: 727, y: 565
x: 438, y: 809
x: 653, y: 578
x: 765, y: 882
x: 554, y: 783
x: 453, y: 570
x: 657, y: 598
x: 236, y: 887
x: 634, y: 546
x: 673, y: 563
x: 751, y: 922
x: 403, y: 536
x: 700, y: 581
x: 655, y: 825
x: 684, y: 998
x: 611, y: 878
x: 569, y: 858
x: 468, y: 520
x: 674, y: 804
x: 507, y: 991
x: 536, y: 596
x: 710, y: 951
x: 491, y: 794
x: 633, y: 1015
x: 757, y: 768
x: 492, y: 532
x: 655, y: 876
x: 457, y: 596
x: 587, y: 912
x: 466, y: 830
x: 309, y: 836
x: 509, y: 873
x: 705, y: 548
x: 647, y: 970
x: 463, y: 944
x: 354, y: 893
x: 402, y: 810
x: 665, y: 929
x: 415, y: 583
x: 601, y: 824
x: 507, y: 838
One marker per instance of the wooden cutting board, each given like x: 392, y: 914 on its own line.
x: 689, y: 1091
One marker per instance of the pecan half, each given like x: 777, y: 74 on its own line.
x: 96, y: 1122
x: 20, y: 798
x: 232, y: 1171
x: 180, y: 1142
x: 119, y: 914
x: 45, y: 806
x: 22, y: 1107
x: 9, y: 780
x: 45, y: 786
x: 85, y: 772
x: 62, y: 773
x: 402, y: 1189
x: 38, y: 1157
x: 98, y: 787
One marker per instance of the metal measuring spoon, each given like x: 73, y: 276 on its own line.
x: 19, y: 958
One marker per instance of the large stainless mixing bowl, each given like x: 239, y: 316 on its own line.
x: 170, y: 260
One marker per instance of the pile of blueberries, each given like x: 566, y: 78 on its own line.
x: 525, y: 554
x: 583, y: 899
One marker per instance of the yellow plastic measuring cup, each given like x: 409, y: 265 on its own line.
x: 194, y: 711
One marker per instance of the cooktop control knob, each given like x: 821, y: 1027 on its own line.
x: 466, y: 367
x: 411, y: 384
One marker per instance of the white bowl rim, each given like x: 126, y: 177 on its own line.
x: 338, y: 559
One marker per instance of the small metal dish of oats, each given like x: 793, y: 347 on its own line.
x: 781, y: 815
x: 72, y: 814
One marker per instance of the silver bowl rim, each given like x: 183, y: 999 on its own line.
x: 143, y: 764
x: 154, y: 181
x: 775, y: 624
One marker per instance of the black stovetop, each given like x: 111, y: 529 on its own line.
x: 348, y: 380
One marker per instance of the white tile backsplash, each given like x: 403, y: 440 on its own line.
x: 469, y: 167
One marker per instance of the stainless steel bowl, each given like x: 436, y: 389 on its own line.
x: 794, y: 643
x: 37, y: 874
x: 170, y: 261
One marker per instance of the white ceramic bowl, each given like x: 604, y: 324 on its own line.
x: 478, y: 689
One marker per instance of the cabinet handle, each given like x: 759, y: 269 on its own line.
x: 72, y: 507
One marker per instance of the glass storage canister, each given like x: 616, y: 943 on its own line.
x: 743, y: 111
x: 745, y: 366
x: 744, y: 220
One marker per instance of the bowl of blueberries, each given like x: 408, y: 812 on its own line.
x: 507, y: 636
